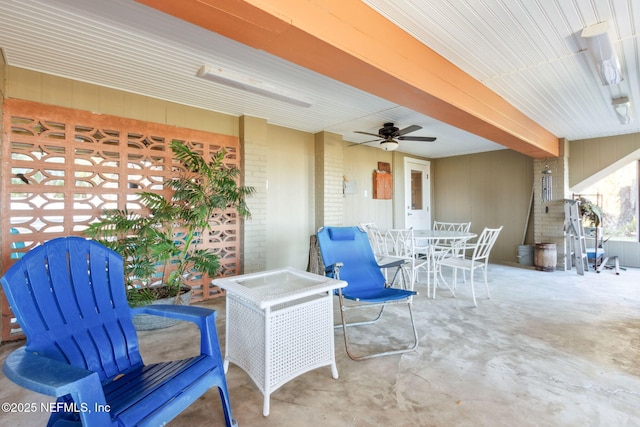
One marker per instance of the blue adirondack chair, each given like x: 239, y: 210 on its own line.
x: 347, y: 255
x: 68, y: 296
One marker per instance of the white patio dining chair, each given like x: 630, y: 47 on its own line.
x: 462, y: 227
x: 478, y: 260
x: 403, y: 245
x: 376, y: 239
x: 446, y: 247
x: 452, y: 226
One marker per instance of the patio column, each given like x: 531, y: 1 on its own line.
x: 549, y: 215
x: 329, y: 178
x: 253, y: 142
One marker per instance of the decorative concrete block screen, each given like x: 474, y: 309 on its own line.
x: 61, y: 167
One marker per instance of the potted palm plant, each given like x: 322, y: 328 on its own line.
x: 592, y: 222
x: 161, y: 244
x: 591, y: 213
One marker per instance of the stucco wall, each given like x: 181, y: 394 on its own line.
x: 290, y: 197
x: 47, y: 89
x: 359, y: 164
x: 277, y: 161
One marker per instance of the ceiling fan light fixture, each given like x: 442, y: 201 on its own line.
x: 602, y: 53
x: 389, y: 145
x: 389, y: 134
x: 250, y: 84
x: 622, y: 107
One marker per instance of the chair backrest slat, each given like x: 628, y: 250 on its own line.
x: 485, y: 243
x: 68, y: 295
x: 463, y: 227
x: 402, y: 241
x: 376, y: 239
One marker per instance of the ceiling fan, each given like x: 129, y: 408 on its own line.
x: 389, y: 133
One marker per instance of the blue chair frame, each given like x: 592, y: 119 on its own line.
x: 69, y: 297
x: 347, y: 255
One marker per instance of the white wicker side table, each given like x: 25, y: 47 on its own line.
x: 279, y: 325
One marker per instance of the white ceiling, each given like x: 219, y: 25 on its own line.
x: 528, y: 51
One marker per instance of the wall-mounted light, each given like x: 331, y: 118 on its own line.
x: 622, y: 107
x: 250, y: 84
x: 602, y: 52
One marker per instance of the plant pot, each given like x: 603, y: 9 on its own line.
x: 147, y: 322
x: 591, y: 232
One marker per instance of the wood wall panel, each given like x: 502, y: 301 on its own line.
x: 489, y: 189
x: 592, y: 159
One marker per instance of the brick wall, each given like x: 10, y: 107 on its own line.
x: 329, y: 205
x: 253, y: 135
x: 549, y: 215
x: 329, y: 179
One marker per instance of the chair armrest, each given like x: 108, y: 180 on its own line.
x: 51, y: 377
x: 204, y: 318
x: 390, y: 262
x: 188, y: 313
x: 44, y: 375
x: 333, y: 270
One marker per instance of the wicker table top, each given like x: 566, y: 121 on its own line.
x: 268, y: 288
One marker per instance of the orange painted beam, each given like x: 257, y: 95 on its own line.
x: 350, y: 42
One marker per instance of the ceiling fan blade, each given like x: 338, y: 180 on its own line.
x: 366, y: 142
x: 417, y: 138
x: 409, y: 129
x: 367, y: 133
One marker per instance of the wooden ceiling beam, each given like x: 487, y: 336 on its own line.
x: 350, y: 42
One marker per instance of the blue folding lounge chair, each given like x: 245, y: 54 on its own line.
x: 68, y: 296
x: 347, y: 255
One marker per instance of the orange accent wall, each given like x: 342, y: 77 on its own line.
x: 350, y: 42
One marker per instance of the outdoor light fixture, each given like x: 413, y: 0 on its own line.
x: 389, y: 145
x: 622, y: 107
x: 250, y: 84
x: 602, y: 52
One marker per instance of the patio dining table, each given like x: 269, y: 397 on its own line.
x: 427, y: 244
x: 425, y: 238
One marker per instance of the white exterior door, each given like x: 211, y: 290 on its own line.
x: 417, y: 194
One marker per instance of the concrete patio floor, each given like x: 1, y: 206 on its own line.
x: 548, y: 349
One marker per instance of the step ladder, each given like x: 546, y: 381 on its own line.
x: 576, y: 244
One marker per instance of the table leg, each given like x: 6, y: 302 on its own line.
x: 265, y: 407
x: 267, y: 360
x: 332, y: 343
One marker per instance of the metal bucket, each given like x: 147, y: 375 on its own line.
x: 545, y: 257
x: 525, y: 254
